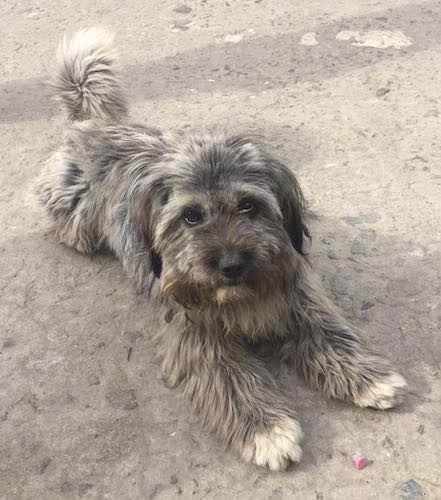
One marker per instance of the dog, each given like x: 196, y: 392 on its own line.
x: 213, y: 227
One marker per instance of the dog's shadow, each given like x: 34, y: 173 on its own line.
x: 84, y: 311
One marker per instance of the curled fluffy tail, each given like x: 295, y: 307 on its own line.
x: 86, y: 81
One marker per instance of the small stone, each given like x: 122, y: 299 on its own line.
x: 432, y: 113
x: 371, y: 217
x: 8, y: 342
x: 195, y: 486
x: 180, y: 25
x: 382, y: 92
x: 276, y: 494
x: 42, y: 465
x: 154, y: 490
x: 339, y: 285
x: 93, y: 380
x: 68, y: 398
x: 122, y: 399
x: 260, y: 480
x: 367, y: 304
x: 67, y: 487
x: 173, y: 479
x: 411, y: 490
x: 182, y: 9
x: 388, y: 443
x: 352, y: 221
x: 332, y: 254
x: 83, y: 488
x: 420, y: 430
x: 236, y: 38
x: 326, y: 241
x: 309, y: 39
x: 168, y: 316
x: 358, y: 249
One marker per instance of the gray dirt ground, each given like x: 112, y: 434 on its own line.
x: 361, y: 127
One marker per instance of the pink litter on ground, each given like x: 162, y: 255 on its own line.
x: 360, y: 461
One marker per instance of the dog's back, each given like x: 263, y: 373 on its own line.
x: 86, y: 78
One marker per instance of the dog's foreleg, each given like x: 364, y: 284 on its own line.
x: 331, y: 354
x: 234, y: 394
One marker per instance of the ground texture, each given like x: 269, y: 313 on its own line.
x: 349, y: 94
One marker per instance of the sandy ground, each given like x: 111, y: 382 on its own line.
x: 349, y: 94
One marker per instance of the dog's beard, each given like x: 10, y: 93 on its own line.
x: 226, y: 294
x: 252, y: 309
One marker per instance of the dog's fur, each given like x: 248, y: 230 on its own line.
x: 214, y: 227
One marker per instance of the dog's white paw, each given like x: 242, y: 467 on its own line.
x: 383, y: 394
x: 276, y: 447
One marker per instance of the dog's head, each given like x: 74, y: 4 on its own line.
x: 224, y: 222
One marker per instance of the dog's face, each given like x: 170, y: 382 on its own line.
x: 224, y: 222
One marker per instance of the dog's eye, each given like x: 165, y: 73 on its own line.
x: 192, y: 216
x: 247, y: 206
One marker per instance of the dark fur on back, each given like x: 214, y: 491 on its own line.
x: 213, y: 226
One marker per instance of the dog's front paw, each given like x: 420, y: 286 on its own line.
x: 277, y: 446
x: 384, y: 393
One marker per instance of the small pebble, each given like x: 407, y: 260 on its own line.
x: 358, y: 249
x: 68, y: 398
x: 173, y: 479
x: 371, y: 217
x: 154, y: 490
x: 411, y: 489
x: 382, y: 91
x: 182, y: 9
x: 93, y: 380
x: 168, y: 316
x: 332, y: 254
x: 83, y: 488
x: 339, y: 285
x: 180, y: 25
x: 367, y: 304
x: 388, y: 443
x: 122, y: 399
x: 43, y: 465
x: 352, y: 221
x: 8, y: 342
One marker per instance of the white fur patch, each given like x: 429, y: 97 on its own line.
x: 86, y: 41
x: 280, y: 445
x: 383, y: 394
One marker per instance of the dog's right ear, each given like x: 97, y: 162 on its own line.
x: 143, y: 213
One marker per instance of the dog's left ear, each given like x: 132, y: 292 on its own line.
x: 292, y: 205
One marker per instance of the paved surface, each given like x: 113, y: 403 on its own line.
x: 349, y: 93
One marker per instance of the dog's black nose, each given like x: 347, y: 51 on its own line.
x: 232, y: 265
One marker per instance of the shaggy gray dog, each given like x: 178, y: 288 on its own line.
x: 212, y: 226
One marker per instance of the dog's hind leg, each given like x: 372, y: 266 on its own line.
x: 331, y: 353
x: 234, y: 394
x: 63, y: 190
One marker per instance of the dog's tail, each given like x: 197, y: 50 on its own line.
x: 86, y: 79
